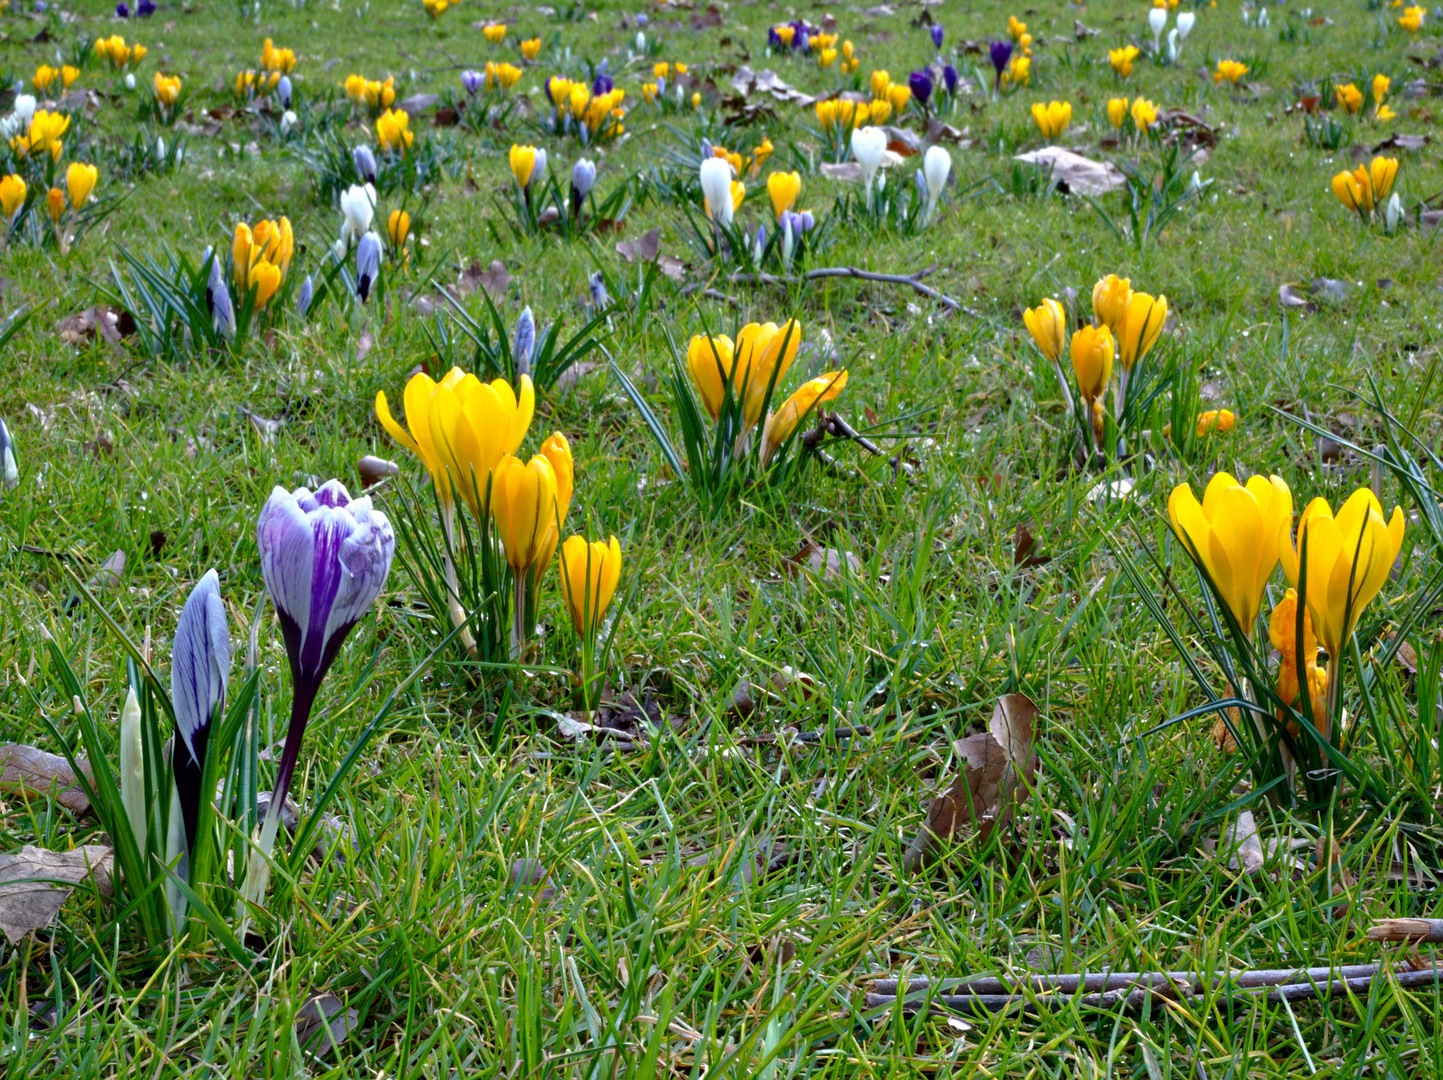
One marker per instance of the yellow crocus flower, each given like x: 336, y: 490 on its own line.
x: 1140, y: 327
x: 589, y: 576
x: 12, y: 195
x: 1343, y: 561
x: 1235, y: 535
x: 523, y: 163
x: 393, y: 129
x: 1121, y: 60
x: 80, y: 182
x: 709, y: 361
x: 1092, y: 354
x: 1047, y: 323
x: 1110, y: 297
x: 1117, y: 111
x: 1230, y: 71
x: 1052, y: 119
x: 523, y: 506
x: 1350, y: 98
x: 531, y: 48
x: 804, y: 399
x: 783, y: 189
x: 55, y: 204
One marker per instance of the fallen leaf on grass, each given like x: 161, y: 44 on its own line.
x: 995, y: 764
x: 1080, y: 32
x: 1290, y: 297
x: 846, y: 171
x: 32, y: 771
x: 644, y: 248
x: 493, y: 279
x: 1024, y: 546
x: 265, y: 427
x: 826, y: 562
x: 324, y: 1022
x: 375, y: 469
x: 100, y: 320
x: 747, y: 81
x: 1074, y: 173
x: 103, y: 580
x: 28, y: 899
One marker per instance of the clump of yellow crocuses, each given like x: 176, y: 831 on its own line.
x: 1368, y: 186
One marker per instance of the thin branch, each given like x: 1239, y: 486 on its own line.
x: 911, y: 281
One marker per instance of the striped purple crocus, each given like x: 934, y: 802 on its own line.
x: 199, y: 671
x: 324, y: 558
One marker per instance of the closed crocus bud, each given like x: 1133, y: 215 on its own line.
x: 24, y: 109
x: 304, y: 295
x: 716, y: 189
x: 1382, y: 171
x: 596, y: 285
x: 524, y: 342
x: 358, y: 205
x: 807, y: 397
x: 1092, y: 352
x: 523, y: 164
x: 55, y: 204
x: 1185, y: 22
x: 589, y: 575
x: 1117, y: 111
x: 80, y: 182
x: 1137, y: 332
x: 284, y: 90
x: 1393, y: 212
x: 1157, y: 22
x: 709, y: 361
x: 324, y: 558
x: 920, y: 83
x: 217, y: 296
x: 1047, y: 323
x: 368, y: 265
x: 9, y: 468
x: 936, y: 167
x: 523, y: 505
x: 398, y: 227
x: 199, y: 671
x: 583, y: 178
x: 365, y: 162
x: 949, y: 80
x: 869, y: 147
x: 288, y: 121
x: 937, y: 34
x: 130, y: 80
x: 1109, y: 300
x: 783, y: 189
x: 132, y: 769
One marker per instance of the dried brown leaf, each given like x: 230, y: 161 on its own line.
x: 32, y: 771
x: 28, y: 899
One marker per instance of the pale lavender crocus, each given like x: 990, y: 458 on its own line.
x: 472, y: 81
x: 525, y: 342
x: 368, y: 265
x: 199, y: 671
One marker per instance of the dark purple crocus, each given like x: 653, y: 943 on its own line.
x: 145, y: 9
x: 1001, y: 52
x: 472, y: 81
x: 602, y: 84
x: 199, y: 670
x: 122, y: 11
x: 324, y: 558
x: 937, y: 35
x: 921, y: 84
x: 949, y: 80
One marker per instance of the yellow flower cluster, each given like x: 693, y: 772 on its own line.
x: 45, y: 77
x: 393, y: 131
x: 750, y: 165
x: 1367, y: 186
x: 252, y: 83
x: 261, y: 256
x: 1052, y: 119
x: 495, y: 33
x: 760, y: 357
x: 1229, y: 71
x: 531, y: 48
x: 43, y: 135
x: 1121, y: 60
x: 1412, y: 19
x: 80, y: 181
x: 601, y: 113
x: 167, y: 88
x: 369, y: 92
x: 436, y: 8
x: 502, y: 76
x: 843, y: 115
x: 281, y: 61
x: 1018, y: 72
x: 117, y: 52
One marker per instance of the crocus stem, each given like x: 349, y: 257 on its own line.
x: 1121, y: 400
x: 1066, y: 389
x: 518, y: 618
x: 258, y: 868
x: 453, y: 591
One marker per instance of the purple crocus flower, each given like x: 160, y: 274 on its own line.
x: 921, y: 84
x: 122, y: 11
x: 596, y: 285
x: 1000, y: 52
x: 949, y: 80
x: 217, y: 295
x: 324, y: 558
x: 937, y: 35
x: 602, y: 84
x: 583, y: 178
x: 524, y: 343
x: 368, y: 265
x: 365, y: 163
x: 641, y: 19
x: 808, y: 220
x: 145, y: 9
x: 305, y: 294
x: 285, y: 91
x: 472, y: 81
x: 199, y: 670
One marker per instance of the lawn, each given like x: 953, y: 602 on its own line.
x: 678, y: 834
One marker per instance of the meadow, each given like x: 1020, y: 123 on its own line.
x: 669, y: 806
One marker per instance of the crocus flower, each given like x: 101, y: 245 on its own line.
x: 217, y: 296
x: 936, y: 167
x: 1344, y: 559
x: 1110, y: 298
x: 783, y: 189
x: 145, y: 9
x: 869, y: 147
x: 1052, y: 119
x: 523, y: 504
x: 365, y: 162
x: 472, y: 81
x: 949, y: 80
x: 523, y: 164
x: 1185, y: 22
x: 1157, y: 21
x: 199, y: 671
x: 358, y: 205
x: 596, y: 285
x: 9, y: 469
x: 1139, y: 328
x: 937, y: 34
x: 1092, y: 353
x: 304, y: 295
x: 920, y: 83
x: 1047, y: 323
x: 284, y: 91
x: 12, y: 195
x: 368, y: 264
x: 122, y: 10
x: 1236, y: 535
x: 324, y: 559
x: 1144, y: 114
x: 1117, y: 111
x: 398, y: 228
x: 1231, y: 71
x: 79, y: 183
x: 525, y: 340
x: 1295, y: 656
x: 1000, y: 53
x: 716, y: 189
x: 132, y: 769
x: 602, y: 84
x: 1121, y: 60
x: 589, y: 575
x: 807, y: 397
x: 1393, y: 213
x: 583, y: 178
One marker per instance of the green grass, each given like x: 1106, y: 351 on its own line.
x: 667, y: 947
